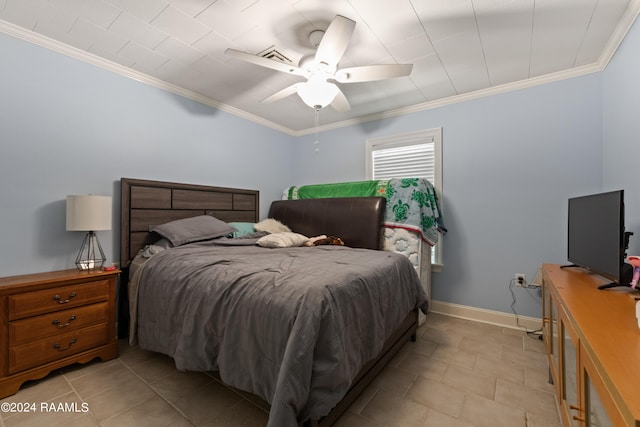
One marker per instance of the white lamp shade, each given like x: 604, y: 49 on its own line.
x: 88, y: 213
x: 317, y: 92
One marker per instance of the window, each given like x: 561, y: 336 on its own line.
x: 409, y: 155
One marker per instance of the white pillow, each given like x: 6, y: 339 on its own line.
x: 285, y: 239
x: 271, y: 225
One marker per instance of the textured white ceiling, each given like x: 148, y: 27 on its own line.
x: 459, y: 48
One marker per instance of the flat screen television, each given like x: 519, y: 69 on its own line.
x: 597, y: 240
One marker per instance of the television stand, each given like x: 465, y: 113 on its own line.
x: 592, y: 344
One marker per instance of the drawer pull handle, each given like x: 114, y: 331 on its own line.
x: 57, y: 323
x: 64, y: 301
x: 71, y: 342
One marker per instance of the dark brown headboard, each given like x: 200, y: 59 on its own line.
x: 146, y: 203
x: 358, y: 221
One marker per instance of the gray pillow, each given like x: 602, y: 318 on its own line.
x: 194, y: 229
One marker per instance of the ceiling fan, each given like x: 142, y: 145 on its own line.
x: 321, y: 69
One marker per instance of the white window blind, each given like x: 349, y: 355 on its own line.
x: 415, y: 161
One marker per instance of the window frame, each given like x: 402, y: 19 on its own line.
x: 413, y: 138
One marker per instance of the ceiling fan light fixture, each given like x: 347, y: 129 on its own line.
x: 320, y: 67
x: 317, y: 93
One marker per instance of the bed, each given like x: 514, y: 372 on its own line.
x: 298, y: 330
x: 412, y: 219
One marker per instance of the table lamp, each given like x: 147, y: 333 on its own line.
x: 89, y: 213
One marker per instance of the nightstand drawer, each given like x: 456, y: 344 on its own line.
x: 31, y: 329
x: 53, y: 348
x: 54, y: 299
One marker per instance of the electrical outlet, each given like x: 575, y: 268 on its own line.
x: 521, y: 279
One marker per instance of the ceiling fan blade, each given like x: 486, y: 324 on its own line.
x: 369, y: 73
x: 289, y: 90
x: 340, y: 102
x: 264, y: 62
x: 335, y: 41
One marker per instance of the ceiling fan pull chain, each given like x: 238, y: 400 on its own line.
x: 316, y: 122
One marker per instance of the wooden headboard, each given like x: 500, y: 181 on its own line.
x: 358, y: 221
x: 146, y: 203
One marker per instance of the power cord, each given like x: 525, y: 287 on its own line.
x: 535, y: 334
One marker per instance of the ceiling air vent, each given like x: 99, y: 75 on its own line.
x: 272, y: 52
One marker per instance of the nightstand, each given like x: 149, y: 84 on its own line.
x: 51, y: 320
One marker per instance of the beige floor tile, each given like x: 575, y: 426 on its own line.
x: 469, y: 381
x: 483, y: 412
x: 441, y: 336
x: 123, y: 395
x: 455, y: 356
x: 499, y: 368
x: 480, y: 345
x: 531, y: 400
x: 85, y: 420
x: 499, y: 337
x: 390, y: 410
x: 438, y: 419
x: 153, y: 412
x: 422, y: 346
x: 100, y: 380
x: 423, y: 366
x: 437, y: 395
x: 535, y: 420
x: 524, y: 358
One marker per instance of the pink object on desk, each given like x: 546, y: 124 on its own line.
x: 635, y: 262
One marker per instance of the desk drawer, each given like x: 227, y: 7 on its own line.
x: 53, y: 348
x: 31, y: 329
x: 54, y: 299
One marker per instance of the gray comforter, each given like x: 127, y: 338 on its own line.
x: 292, y: 325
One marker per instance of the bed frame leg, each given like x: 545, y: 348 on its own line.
x: 414, y: 337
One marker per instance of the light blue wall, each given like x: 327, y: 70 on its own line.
x: 510, y: 163
x: 621, y: 107
x: 67, y: 127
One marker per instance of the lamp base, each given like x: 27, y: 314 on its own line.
x: 91, y: 255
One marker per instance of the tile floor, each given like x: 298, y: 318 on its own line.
x: 458, y: 373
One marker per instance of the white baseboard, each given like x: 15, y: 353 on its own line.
x: 498, y: 318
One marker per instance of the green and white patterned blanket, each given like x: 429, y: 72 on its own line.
x: 412, y: 203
